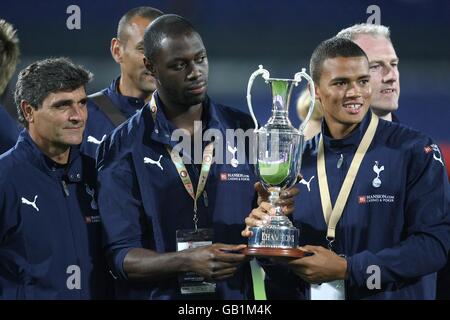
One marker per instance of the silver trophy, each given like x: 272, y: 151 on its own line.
x: 279, y: 157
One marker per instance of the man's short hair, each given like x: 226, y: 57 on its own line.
x: 43, y: 77
x: 143, y: 12
x: 329, y: 49
x: 9, y: 53
x: 161, y: 28
x: 356, y: 30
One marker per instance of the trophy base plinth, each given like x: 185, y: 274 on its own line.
x: 274, y: 252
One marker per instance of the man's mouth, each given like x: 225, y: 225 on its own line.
x: 75, y: 128
x: 353, y: 108
x: 198, y: 88
x: 388, y: 91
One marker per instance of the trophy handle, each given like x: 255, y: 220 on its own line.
x: 266, y: 75
x: 298, y: 78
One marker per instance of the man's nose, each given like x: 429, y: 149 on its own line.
x: 390, y: 74
x: 78, y: 113
x: 194, y: 72
x: 353, y: 90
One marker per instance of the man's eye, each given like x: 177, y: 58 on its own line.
x: 201, y: 59
x: 375, y: 67
x: 178, y: 66
x: 364, y: 82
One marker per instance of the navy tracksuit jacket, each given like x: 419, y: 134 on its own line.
x: 402, y: 226
x: 99, y: 125
x: 50, y: 236
x: 143, y: 205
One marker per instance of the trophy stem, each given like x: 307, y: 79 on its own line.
x: 274, y: 198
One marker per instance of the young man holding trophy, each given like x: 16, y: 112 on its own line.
x: 167, y: 236
x: 375, y: 224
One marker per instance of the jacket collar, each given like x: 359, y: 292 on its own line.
x: 163, y: 128
x: 72, y: 171
x: 127, y: 105
x: 350, y: 142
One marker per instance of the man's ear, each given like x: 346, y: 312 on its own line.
x: 150, y: 67
x: 116, y: 50
x: 317, y: 91
x: 27, y: 111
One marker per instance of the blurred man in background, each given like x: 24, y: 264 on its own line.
x: 132, y: 89
x: 383, y: 64
x: 9, y: 57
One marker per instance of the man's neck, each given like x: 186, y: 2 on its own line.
x: 387, y: 117
x: 126, y: 88
x: 59, y: 154
x: 339, y: 130
x: 382, y: 114
x: 184, y: 117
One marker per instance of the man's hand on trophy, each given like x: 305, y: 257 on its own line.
x: 217, y: 261
x: 258, y: 217
x: 286, y: 197
x: 322, y: 265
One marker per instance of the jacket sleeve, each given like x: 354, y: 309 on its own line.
x: 120, y: 209
x: 427, y: 224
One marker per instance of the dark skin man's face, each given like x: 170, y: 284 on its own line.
x: 180, y: 68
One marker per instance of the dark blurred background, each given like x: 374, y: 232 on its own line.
x: 241, y: 34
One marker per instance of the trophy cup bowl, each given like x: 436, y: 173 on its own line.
x: 279, y: 154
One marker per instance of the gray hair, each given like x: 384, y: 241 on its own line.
x: 356, y: 30
x: 43, y: 77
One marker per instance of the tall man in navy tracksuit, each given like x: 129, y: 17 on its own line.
x: 172, y: 225
x: 131, y: 90
x: 9, y: 56
x: 393, y: 233
x: 50, y: 236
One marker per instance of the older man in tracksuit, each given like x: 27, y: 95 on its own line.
x: 50, y: 236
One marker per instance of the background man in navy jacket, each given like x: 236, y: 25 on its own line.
x: 132, y: 89
x: 376, y: 42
